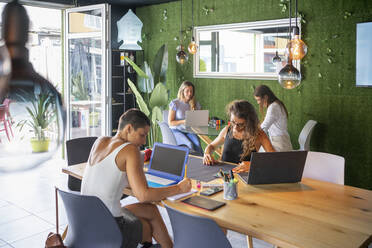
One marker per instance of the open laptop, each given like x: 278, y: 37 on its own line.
x: 275, y: 167
x: 167, y: 165
x: 196, y: 118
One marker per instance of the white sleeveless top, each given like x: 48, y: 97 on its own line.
x: 106, y: 181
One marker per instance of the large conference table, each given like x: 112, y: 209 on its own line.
x: 310, y: 214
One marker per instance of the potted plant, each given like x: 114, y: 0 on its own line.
x: 42, y: 113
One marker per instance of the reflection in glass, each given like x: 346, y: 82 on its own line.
x: 85, y: 22
x: 85, y: 87
x: 243, y: 50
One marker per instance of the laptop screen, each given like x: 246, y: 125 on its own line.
x: 168, y: 160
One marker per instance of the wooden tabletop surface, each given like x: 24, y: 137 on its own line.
x: 311, y: 214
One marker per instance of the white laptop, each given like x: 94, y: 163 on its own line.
x: 167, y: 165
x: 196, y: 118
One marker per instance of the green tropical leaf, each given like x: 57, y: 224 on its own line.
x: 160, y: 64
x: 146, y: 85
x: 139, y: 99
x: 156, y: 115
x: 159, y: 96
x: 135, y: 67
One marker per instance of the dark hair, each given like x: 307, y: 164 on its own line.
x: 135, y: 117
x: 262, y: 91
x: 244, y: 110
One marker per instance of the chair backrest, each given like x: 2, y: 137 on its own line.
x: 195, y: 231
x: 90, y: 223
x: 305, y: 135
x: 165, y: 115
x: 325, y: 167
x: 166, y: 133
x: 77, y: 151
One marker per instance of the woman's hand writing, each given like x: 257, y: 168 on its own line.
x: 185, y: 185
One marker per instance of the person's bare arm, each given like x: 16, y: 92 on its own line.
x: 172, y: 119
x: 217, y: 142
x: 130, y: 159
x: 265, y: 142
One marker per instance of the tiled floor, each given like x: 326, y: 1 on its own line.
x: 27, y: 208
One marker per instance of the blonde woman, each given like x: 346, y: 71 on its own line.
x: 240, y: 138
x: 176, y: 119
x: 275, y: 120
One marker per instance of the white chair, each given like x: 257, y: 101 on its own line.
x: 166, y: 133
x: 325, y: 167
x: 305, y: 135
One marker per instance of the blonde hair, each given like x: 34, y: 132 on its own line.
x: 244, y: 110
x: 181, y: 95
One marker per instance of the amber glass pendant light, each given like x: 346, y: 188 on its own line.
x: 296, y: 47
x: 289, y: 77
x: 32, y: 110
x: 181, y: 55
x: 193, y: 47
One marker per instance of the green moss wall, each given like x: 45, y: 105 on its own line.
x: 327, y: 94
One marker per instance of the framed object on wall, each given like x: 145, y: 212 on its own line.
x: 364, y: 54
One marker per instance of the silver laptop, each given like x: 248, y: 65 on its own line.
x: 196, y: 118
x: 275, y: 167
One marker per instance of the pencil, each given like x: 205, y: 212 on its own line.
x: 185, y: 171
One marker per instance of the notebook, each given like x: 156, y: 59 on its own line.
x: 275, y: 167
x: 167, y: 165
x: 196, y: 118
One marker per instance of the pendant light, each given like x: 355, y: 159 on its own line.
x: 193, y: 47
x: 276, y: 59
x: 298, y: 48
x: 289, y: 77
x: 181, y: 55
x: 38, y: 117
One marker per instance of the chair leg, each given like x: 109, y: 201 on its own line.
x: 6, y: 130
x: 249, y: 241
x: 10, y: 127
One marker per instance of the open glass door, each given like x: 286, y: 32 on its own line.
x: 86, y: 69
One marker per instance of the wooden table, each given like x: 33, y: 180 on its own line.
x: 311, y: 214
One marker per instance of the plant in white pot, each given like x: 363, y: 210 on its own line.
x: 41, y: 114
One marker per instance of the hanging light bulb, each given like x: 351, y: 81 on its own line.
x: 289, y: 76
x: 35, y: 113
x: 181, y: 55
x: 193, y: 47
x: 296, y: 48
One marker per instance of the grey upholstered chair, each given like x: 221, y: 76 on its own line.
x: 195, y: 231
x: 90, y: 223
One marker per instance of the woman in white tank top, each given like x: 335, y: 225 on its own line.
x: 114, y: 163
x: 276, y: 118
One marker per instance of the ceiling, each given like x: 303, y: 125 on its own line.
x: 70, y: 3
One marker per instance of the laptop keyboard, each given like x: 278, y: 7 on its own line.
x: 158, y: 180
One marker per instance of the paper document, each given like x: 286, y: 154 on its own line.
x: 179, y: 196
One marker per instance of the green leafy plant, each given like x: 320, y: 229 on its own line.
x: 156, y: 95
x: 41, y: 113
x: 79, y: 91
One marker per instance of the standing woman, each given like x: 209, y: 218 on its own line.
x: 240, y: 138
x: 177, y: 112
x: 275, y: 120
